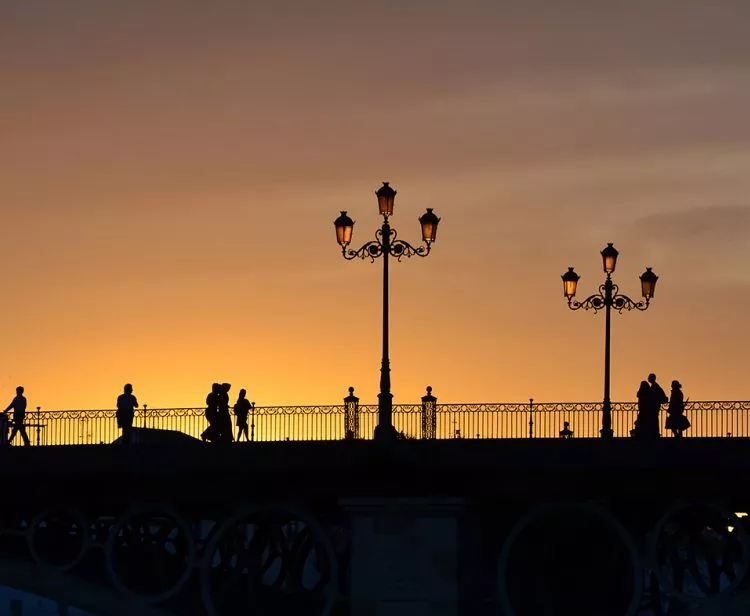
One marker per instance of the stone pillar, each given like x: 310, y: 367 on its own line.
x: 404, y: 556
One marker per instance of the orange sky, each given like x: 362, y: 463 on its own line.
x: 170, y: 172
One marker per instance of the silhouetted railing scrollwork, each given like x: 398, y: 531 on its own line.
x: 452, y: 420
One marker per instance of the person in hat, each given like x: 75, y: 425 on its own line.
x: 676, y: 420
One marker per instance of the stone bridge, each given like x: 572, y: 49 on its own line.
x: 362, y: 528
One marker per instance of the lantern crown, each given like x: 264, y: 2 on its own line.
x: 609, y: 258
x: 344, y: 227
x: 429, y: 222
x: 570, y: 282
x: 386, y: 195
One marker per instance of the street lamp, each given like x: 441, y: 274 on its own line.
x: 608, y: 298
x: 386, y: 245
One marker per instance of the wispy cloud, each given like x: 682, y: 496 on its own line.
x: 703, y: 245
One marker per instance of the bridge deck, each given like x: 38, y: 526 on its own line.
x: 189, y: 471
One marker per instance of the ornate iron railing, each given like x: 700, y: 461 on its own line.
x: 316, y: 423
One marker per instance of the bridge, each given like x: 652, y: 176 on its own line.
x: 352, y: 526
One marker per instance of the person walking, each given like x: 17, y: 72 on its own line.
x: 126, y: 405
x: 18, y: 404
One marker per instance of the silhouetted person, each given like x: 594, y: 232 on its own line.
x: 212, y: 414
x: 224, y: 421
x: 3, y: 429
x: 126, y: 405
x: 647, y: 421
x: 241, y: 411
x: 18, y: 404
x: 676, y: 420
x: 657, y: 397
x: 566, y: 432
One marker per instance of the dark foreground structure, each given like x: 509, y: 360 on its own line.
x: 171, y: 526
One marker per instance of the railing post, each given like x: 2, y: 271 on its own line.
x: 351, y: 415
x: 429, y: 415
x: 252, y: 422
x: 531, y: 417
x: 38, y: 426
x: 145, y: 408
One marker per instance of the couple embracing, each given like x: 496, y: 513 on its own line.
x: 650, y: 398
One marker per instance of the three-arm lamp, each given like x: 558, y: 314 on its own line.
x: 386, y: 245
x: 608, y: 298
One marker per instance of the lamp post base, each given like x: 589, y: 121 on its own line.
x: 385, y: 433
x: 607, y: 433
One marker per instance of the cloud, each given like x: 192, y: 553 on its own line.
x: 725, y: 223
x: 703, y: 245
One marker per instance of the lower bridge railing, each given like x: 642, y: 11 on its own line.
x: 425, y: 420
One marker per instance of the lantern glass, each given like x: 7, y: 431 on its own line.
x: 648, y: 283
x: 429, y: 222
x: 344, y: 227
x: 570, y: 283
x: 386, y: 195
x: 609, y: 258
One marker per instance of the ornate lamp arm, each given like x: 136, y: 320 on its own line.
x: 599, y: 301
x: 376, y: 248
x: 595, y: 302
x: 400, y: 249
x: 372, y: 250
x: 623, y: 302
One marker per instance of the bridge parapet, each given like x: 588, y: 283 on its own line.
x: 709, y: 419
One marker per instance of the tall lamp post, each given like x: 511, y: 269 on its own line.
x: 386, y: 245
x: 608, y: 297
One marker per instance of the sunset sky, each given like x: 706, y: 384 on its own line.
x: 170, y: 172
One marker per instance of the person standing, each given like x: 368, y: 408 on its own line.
x: 126, y: 405
x: 657, y: 397
x: 224, y: 421
x: 18, y: 404
x: 647, y: 422
x: 241, y: 411
x: 211, y: 434
x: 676, y: 420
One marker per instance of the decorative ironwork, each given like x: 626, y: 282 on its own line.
x: 269, y: 561
x: 474, y: 420
x: 276, y: 559
x: 351, y: 415
x: 429, y: 415
x: 380, y: 245
x: 279, y: 559
x: 699, y: 552
x: 58, y: 538
x: 617, y: 300
x: 150, y: 553
x: 552, y: 562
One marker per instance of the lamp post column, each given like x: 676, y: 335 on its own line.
x: 386, y: 245
x: 609, y: 296
x: 385, y: 428
x: 606, y: 431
